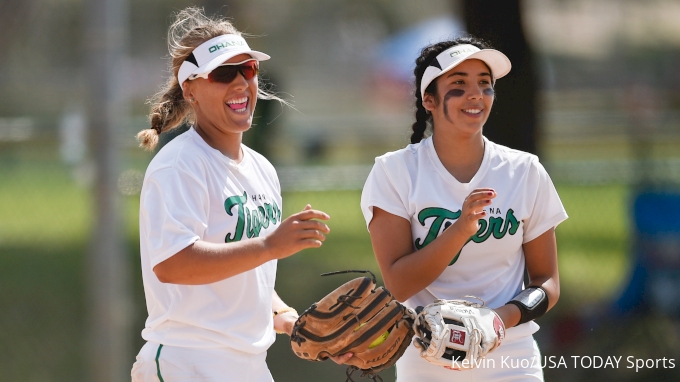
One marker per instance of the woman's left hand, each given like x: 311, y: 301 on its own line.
x: 284, y: 322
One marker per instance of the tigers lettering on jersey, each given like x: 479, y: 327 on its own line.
x: 249, y: 221
x: 496, y: 226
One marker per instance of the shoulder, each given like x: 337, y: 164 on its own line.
x: 404, y: 157
x: 183, y: 154
x: 259, y: 159
x: 512, y: 157
x: 261, y: 165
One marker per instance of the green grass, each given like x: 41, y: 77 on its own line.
x: 593, y: 243
x: 45, y: 221
x: 42, y: 206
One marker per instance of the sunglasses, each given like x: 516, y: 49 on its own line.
x: 226, y: 73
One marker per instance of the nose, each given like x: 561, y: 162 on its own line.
x: 475, y: 92
x: 239, y: 82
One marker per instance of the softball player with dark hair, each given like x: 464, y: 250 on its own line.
x: 454, y: 214
x: 210, y: 217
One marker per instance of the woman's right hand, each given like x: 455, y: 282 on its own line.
x: 299, y: 231
x: 473, y: 210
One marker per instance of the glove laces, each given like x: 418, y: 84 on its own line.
x: 365, y: 374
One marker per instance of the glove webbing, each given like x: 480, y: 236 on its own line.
x: 366, y: 283
x: 351, y: 271
x: 365, y: 374
x: 348, y: 326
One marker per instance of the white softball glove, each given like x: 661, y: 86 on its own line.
x: 457, y: 334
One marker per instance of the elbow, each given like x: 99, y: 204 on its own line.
x: 175, y: 269
x: 167, y: 273
x: 555, y: 296
x: 401, y: 297
x: 397, y: 291
x: 162, y: 274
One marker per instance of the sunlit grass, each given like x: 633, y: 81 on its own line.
x: 42, y: 206
x: 593, y: 243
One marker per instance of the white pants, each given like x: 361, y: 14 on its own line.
x: 515, y: 360
x: 159, y: 363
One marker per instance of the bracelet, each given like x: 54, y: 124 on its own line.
x: 285, y: 310
x: 282, y: 311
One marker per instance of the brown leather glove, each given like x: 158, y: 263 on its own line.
x: 359, y: 318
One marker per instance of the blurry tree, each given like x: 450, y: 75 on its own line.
x: 261, y: 135
x: 513, y: 121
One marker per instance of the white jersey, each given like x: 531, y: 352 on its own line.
x: 413, y: 183
x: 193, y: 192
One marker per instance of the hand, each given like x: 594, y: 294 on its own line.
x: 284, y: 322
x: 298, y: 232
x: 341, y: 359
x: 473, y: 210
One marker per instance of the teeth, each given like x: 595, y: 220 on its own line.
x: 473, y: 111
x: 239, y: 100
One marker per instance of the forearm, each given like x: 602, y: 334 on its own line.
x: 551, y: 285
x: 412, y: 273
x: 205, y: 263
x: 511, y: 314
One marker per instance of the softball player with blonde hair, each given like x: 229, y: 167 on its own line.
x: 211, y: 230
x: 454, y: 214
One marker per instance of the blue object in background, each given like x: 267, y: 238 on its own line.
x: 657, y: 213
x: 397, y: 54
x: 655, y: 280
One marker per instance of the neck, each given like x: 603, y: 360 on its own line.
x: 461, y: 155
x: 229, y: 144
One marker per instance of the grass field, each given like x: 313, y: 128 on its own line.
x: 45, y: 221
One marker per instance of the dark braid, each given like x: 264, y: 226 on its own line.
x: 426, y: 56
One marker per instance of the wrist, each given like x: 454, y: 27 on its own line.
x: 286, y: 318
x: 509, y: 314
x: 459, y: 232
x: 284, y: 310
x: 269, y: 251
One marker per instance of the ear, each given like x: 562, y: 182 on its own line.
x: 429, y: 102
x: 187, y: 92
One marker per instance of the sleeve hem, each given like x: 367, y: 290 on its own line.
x: 170, y: 252
x: 388, y: 209
x: 554, y: 222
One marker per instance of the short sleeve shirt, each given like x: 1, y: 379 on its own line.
x: 413, y: 183
x: 193, y: 192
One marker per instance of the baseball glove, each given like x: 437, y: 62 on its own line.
x: 457, y: 334
x: 359, y: 318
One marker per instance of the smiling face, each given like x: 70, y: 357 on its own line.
x: 463, y: 99
x: 225, y: 108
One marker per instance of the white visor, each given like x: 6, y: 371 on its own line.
x: 214, y: 53
x: 450, y: 58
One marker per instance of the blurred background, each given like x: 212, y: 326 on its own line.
x: 594, y: 91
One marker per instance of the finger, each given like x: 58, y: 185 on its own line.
x: 481, y: 195
x: 484, y: 189
x: 341, y: 359
x: 310, y: 243
x: 478, y: 205
x: 307, y: 207
x: 313, y: 225
x: 312, y: 234
x: 477, y: 215
x: 312, y: 214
